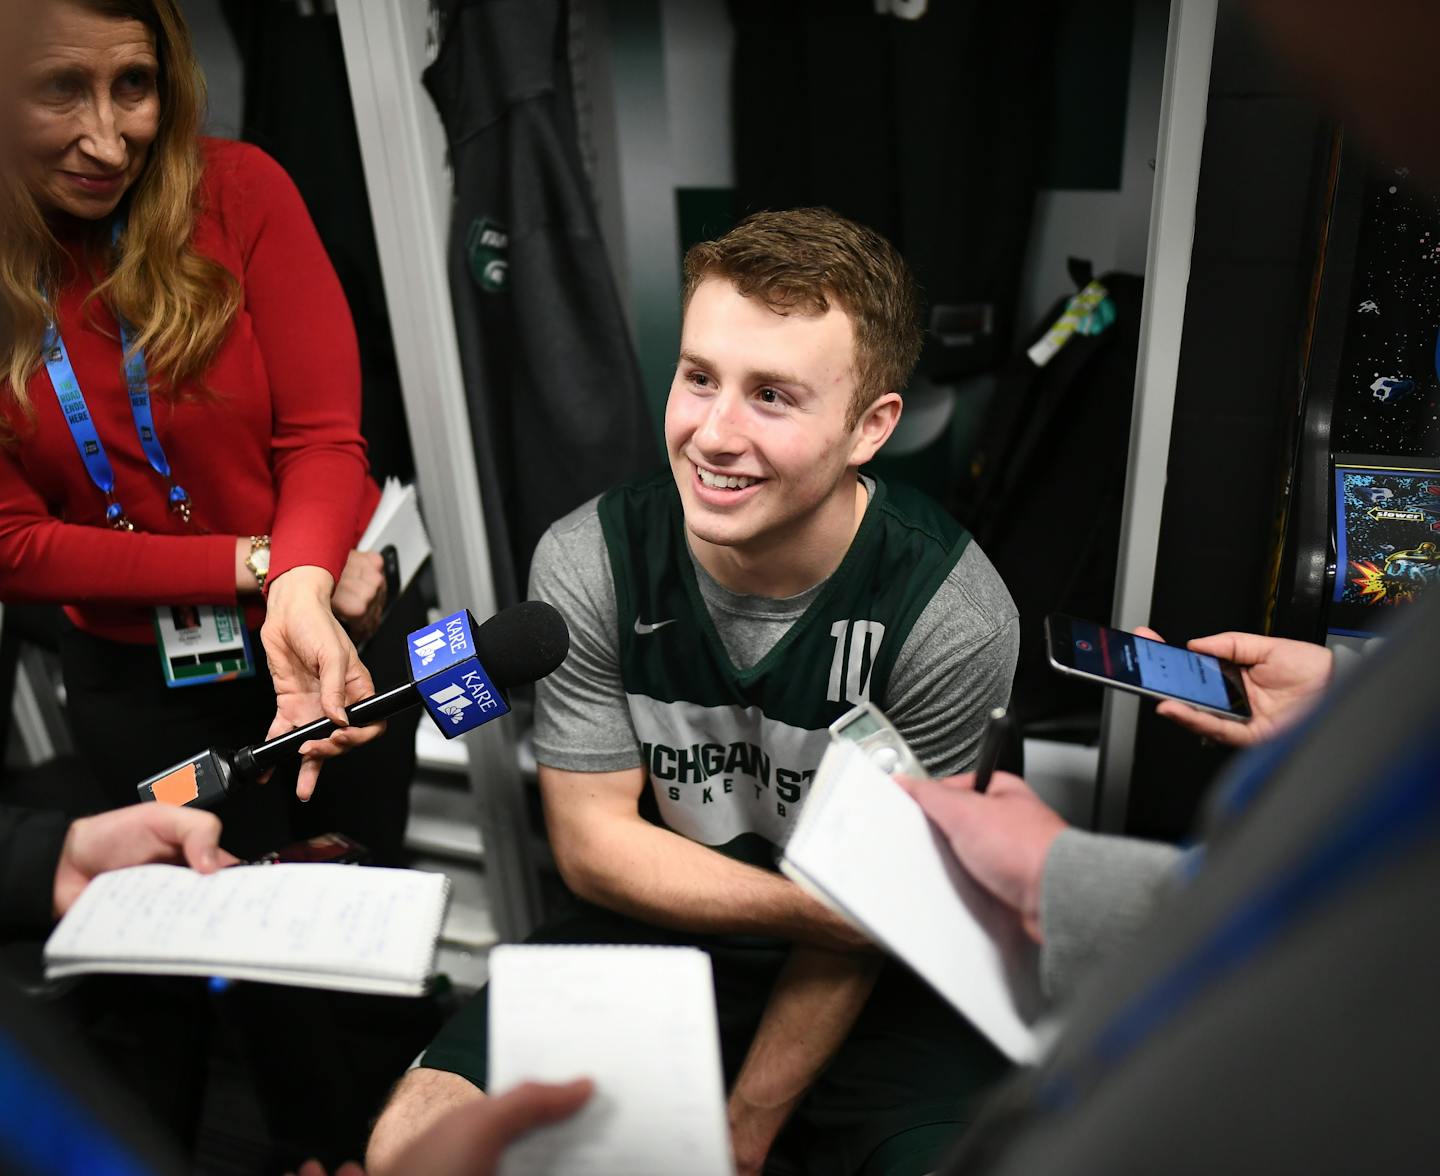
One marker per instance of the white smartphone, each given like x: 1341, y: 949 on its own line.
x: 1130, y: 662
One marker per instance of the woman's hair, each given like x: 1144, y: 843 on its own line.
x: 178, y: 303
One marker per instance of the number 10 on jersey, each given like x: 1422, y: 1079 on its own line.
x: 857, y: 644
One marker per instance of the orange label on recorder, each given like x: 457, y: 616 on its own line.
x: 179, y: 787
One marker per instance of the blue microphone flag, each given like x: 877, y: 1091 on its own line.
x: 455, y: 688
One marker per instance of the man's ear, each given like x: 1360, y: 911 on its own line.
x: 875, y: 427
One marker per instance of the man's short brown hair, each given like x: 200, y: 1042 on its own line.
x: 806, y: 258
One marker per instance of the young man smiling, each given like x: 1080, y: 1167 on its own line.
x: 721, y: 616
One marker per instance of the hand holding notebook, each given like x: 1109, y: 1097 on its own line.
x: 866, y: 849
x: 638, y: 1021
x: 354, y: 928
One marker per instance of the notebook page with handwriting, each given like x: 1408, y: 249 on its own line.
x: 318, y: 925
x: 640, y: 1022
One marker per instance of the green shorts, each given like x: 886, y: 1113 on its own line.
x: 891, y: 1102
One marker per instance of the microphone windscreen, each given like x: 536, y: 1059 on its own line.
x: 522, y: 643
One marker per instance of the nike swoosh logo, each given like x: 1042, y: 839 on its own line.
x: 643, y: 629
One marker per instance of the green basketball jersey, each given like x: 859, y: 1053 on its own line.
x: 730, y: 752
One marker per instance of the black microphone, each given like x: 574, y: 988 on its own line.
x: 458, y: 670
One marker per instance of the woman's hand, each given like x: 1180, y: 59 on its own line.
x: 314, y: 666
x: 359, y: 599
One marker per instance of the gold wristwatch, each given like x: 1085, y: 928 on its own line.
x: 258, y: 561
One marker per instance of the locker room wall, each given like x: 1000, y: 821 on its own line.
x: 1257, y: 220
x: 1109, y: 226
x: 656, y: 78
x: 221, y: 63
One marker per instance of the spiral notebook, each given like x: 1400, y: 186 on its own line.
x: 865, y: 849
x: 640, y: 1022
x: 354, y: 928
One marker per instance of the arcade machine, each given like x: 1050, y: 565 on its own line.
x: 1304, y: 504
x: 1303, y: 452
x: 1361, y: 524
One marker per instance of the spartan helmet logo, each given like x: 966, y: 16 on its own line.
x: 494, y: 274
x: 486, y: 246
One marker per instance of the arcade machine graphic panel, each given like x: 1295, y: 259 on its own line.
x: 1387, y: 539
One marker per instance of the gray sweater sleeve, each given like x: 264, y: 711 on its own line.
x: 582, y: 721
x: 1096, y: 894
x: 955, y: 666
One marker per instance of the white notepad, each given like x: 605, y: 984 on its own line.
x: 317, y: 925
x: 396, y: 522
x: 865, y: 848
x: 640, y: 1022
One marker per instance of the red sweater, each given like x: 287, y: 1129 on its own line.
x: 275, y: 448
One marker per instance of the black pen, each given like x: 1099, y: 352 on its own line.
x: 992, y: 743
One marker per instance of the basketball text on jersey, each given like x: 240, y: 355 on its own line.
x: 720, y: 771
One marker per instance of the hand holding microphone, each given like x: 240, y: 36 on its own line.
x: 313, y: 663
x: 458, y: 671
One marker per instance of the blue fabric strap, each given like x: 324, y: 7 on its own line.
x: 137, y: 379
x: 82, y: 424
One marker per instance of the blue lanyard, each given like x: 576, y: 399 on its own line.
x: 82, y: 424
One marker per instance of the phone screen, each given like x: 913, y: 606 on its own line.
x: 327, y: 847
x: 1151, y: 665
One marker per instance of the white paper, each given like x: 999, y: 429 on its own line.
x: 322, y: 925
x: 872, y: 852
x: 640, y: 1022
x: 397, y: 522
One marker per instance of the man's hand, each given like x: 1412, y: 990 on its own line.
x: 1283, y: 680
x: 469, y: 1139
x: 135, y: 836
x: 359, y: 599
x: 752, y: 1133
x: 1002, y: 837
x: 315, y: 668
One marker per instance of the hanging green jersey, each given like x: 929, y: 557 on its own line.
x: 731, y: 752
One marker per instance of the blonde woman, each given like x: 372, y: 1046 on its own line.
x: 180, y: 453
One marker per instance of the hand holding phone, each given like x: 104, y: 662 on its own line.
x: 1283, y: 681
x: 1141, y: 665
x: 333, y: 848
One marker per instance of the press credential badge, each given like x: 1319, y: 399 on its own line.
x: 201, y: 643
